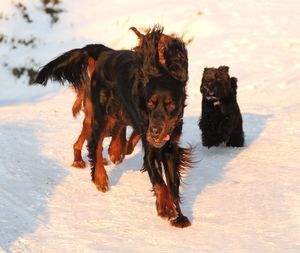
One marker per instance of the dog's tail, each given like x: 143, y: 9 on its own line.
x: 140, y: 37
x: 137, y: 32
x: 72, y: 66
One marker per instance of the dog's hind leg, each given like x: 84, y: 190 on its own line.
x: 99, y: 174
x: 86, y: 130
x: 78, y: 102
x: 117, y: 147
x: 85, y: 134
x: 100, y: 177
x: 131, y: 143
x: 77, y: 147
x: 83, y: 99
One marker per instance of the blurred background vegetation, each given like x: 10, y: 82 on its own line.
x: 51, y: 8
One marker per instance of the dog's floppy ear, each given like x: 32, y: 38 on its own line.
x: 233, y: 82
x: 176, y: 57
x: 149, y: 53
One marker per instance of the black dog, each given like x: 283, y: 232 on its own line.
x: 134, y: 88
x: 221, y: 120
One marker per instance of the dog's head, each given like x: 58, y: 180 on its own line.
x: 165, y: 97
x: 217, y: 84
x: 172, y: 53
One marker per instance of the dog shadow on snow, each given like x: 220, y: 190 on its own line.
x: 27, y: 181
x: 132, y: 162
x: 209, y: 164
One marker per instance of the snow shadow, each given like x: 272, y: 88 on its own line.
x: 27, y: 181
x: 210, y: 164
x: 133, y: 161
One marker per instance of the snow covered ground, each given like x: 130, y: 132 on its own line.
x: 238, y: 199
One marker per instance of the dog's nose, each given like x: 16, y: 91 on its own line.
x: 155, y: 131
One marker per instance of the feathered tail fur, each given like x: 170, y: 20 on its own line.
x: 71, y: 66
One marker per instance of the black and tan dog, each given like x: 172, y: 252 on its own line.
x: 134, y: 88
x: 146, y: 91
x: 221, y: 120
x: 76, y: 67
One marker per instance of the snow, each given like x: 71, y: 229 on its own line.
x: 238, y: 199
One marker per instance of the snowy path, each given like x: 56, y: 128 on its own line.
x: 239, y: 200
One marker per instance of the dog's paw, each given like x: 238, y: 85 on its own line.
x: 105, y: 162
x: 166, y: 210
x: 116, y: 159
x: 102, y: 188
x: 102, y: 182
x: 129, y: 149
x: 164, y: 204
x: 180, y: 222
x: 80, y: 164
x: 116, y: 153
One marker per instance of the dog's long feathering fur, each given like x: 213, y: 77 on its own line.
x: 149, y: 50
x: 70, y: 66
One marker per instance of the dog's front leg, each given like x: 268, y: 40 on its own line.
x: 117, y: 147
x: 174, y: 160
x: 164, y: 204
x: 85, y: 134
x: 227, y: 126
x: 131, y: 143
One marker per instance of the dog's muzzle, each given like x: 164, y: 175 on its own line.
x: 157, y: 137
x: 211, y: 98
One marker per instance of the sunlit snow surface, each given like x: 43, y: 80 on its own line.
x: 238, y: 199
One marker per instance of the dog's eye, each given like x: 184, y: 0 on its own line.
x: 171, y: 107
x: 150, y: 105
x: 152, y: 102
